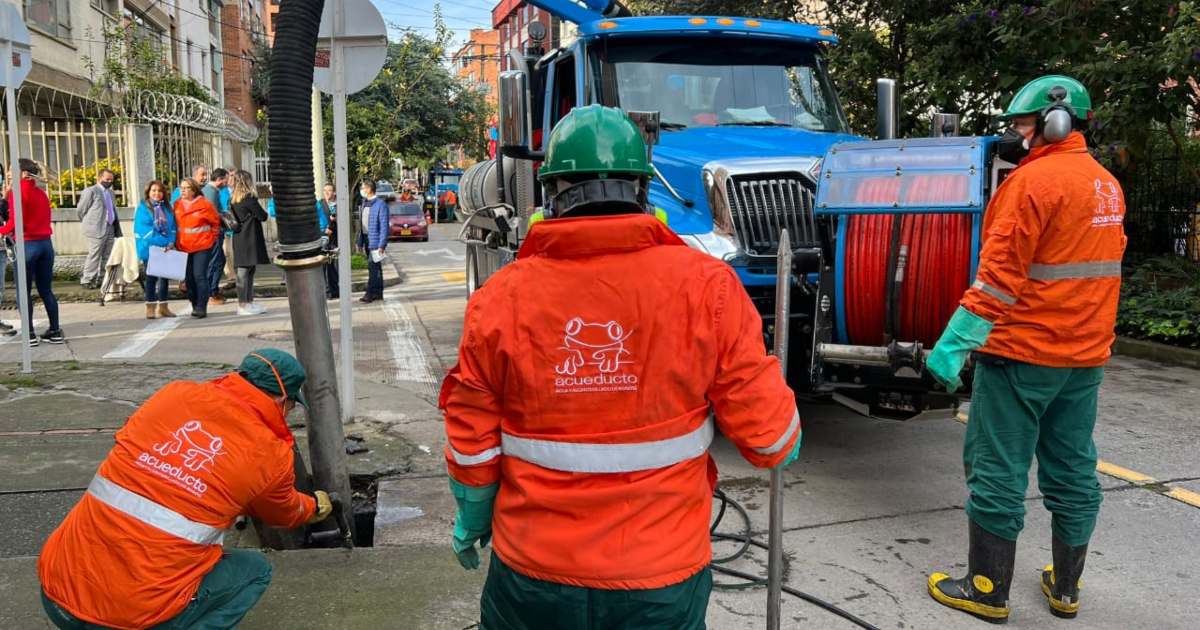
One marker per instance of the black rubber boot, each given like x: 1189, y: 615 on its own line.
x: 984, y: 591
x: 1060, y: 581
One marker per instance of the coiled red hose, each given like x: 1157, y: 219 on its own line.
x: 937, y: 268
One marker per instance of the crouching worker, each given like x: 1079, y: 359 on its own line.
x: 579, y: 425
x: 143, y: 546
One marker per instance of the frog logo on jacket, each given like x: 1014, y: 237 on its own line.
x: 1108, y: 204
x: 594, y: 358
x: 190, y: 449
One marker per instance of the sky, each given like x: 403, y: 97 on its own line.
x: 459, y: 15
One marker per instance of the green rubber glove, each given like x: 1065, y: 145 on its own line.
x: 965, y: 332
x: 795, y: 454
x: 473, y: 521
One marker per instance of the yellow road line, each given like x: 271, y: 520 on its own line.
x: 1184, y: 495
x: 1122, y: 473
x: 455, y: 276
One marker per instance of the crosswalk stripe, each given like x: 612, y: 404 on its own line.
x: 148, y: 337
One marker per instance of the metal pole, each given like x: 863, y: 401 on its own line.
x: 887, y: 106
x: 347, y: 216
x: 783, y: 299
x: 318, y: 143
x: 14, y: 178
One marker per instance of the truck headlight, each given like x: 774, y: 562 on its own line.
x: 711, y: 243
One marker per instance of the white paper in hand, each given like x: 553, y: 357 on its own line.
x: 166, y: 263
x: 378, y: 256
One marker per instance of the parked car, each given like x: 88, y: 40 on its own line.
x: 385, y: 189
x: 407, y: 221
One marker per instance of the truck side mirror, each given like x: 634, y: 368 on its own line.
x: 514, y: 110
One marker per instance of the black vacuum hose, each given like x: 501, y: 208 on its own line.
x: 290, y: 130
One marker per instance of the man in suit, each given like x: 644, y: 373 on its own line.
x: 97, y: 211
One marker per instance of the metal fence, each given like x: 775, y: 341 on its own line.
x: 1162, y: 203
x: 70, y: 152
x: 180, y: 148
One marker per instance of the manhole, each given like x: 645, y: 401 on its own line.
x: 272, y: 335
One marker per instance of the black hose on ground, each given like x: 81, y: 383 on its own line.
x: 290, y: 129
x: 754, y: 581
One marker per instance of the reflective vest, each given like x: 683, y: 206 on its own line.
x: 1049, y: 273
x: 133, y: 551
x: 593, y: 374
x: 198, y: 224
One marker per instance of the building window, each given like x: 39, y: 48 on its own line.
x: 111, y: 7
x: 214, y: 18
x: 51, y: 16
x: 187, y: 59
x: 216, y: 69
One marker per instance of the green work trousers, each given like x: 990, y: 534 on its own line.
x: 225, y: 595
x: 512, y: 601
x: 1020, y: 410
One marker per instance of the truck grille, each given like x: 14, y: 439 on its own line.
x: 762, y: 205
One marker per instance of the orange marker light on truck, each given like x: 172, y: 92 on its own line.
x: 725, y: 22
x: 825, y: 32
x: 698, y: 21
x: 608, y: 25
x: 753, y: 23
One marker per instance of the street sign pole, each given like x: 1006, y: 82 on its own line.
x: 14, y: 29
x: 349, y: 216
x: 349, y: 58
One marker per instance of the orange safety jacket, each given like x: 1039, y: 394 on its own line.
x: 132, y: 552
x: 1049, y: 273
x: 198, y: 224
x: 592, y: 375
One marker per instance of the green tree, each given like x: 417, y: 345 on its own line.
x: 135, y: 60
x: 413, y: 110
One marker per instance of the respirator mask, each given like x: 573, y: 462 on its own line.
x: 1012, y: 146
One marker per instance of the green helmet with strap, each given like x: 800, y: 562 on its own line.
x: 1043, y: 92
x: 596, y: 161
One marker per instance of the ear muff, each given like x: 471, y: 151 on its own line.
x: 1055, y: 122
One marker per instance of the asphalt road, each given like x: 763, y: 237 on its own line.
x: 872, y: 507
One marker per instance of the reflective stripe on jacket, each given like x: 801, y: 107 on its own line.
x: 198, y: 224
x: 133, y: 551
x: 593, y: 374
x: 1050, y: 269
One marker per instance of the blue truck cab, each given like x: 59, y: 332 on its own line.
x: 746, y: 119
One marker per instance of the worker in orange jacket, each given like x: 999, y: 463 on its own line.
x: 592, y: 376
x: 1041, y: 314
x: 143, y: 545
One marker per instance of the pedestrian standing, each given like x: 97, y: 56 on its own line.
x: 199, y: 175
x: 143, y: 546
x: 212, y: 191
x: 1041, y: 315
x: 39, y: 249
x: 375, y: 227
x: 579, y: 424
x: 97, y: 211
x: 198, y: 225
x: 154, y: 225
x: 249, y: 243
x: 327, y: 218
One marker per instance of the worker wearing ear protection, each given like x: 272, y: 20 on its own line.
x: 143, y: 545
x: 592, y: 375
x: 1040, y: 316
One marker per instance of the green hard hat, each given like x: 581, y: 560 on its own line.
x: 595, y: 140
x: 1037, y: 94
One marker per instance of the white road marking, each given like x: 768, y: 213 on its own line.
x: 142, y: 341
x: 444, y: 251
x: 407, y: 354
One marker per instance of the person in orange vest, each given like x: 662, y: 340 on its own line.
x: 579, y: 424
x: 143, y: 545
x: 1041, y: 316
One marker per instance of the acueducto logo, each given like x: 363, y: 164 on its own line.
x: 190, y: 449
x: 595, y: 358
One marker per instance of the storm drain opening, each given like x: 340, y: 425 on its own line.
x: 366, y: 491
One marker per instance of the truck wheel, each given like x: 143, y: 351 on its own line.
x: 472, y: 264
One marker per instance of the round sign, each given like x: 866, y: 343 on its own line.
x: 14, y: 31
x: 362, y: 37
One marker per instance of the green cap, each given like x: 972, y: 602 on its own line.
x: 269, y: 368
x: 1043, y: 91
x: 595, y: 140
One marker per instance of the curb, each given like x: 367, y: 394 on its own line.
x: 134, y: 292
x: 1154, y: 351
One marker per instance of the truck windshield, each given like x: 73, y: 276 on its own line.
x: 697, y: 83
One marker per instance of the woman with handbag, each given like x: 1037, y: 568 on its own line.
x: 249, y: 243
x: 198, y: 224
x: 154, y: 225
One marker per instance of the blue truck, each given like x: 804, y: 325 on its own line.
x: 750, y: 138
